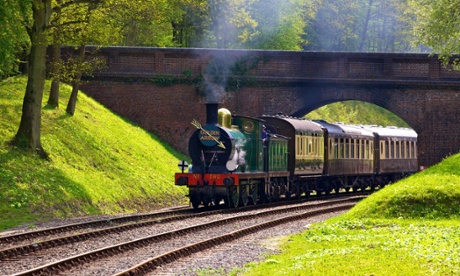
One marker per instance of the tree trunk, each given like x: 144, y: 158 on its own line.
x: 53, y: 100
x: 366, y: 24
x: 28, y: 134
x: 76, y: 83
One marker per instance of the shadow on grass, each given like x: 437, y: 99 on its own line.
x: 32, y: 190
x: 167, y: 146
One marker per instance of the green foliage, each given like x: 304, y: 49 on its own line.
x: 355, y: 112
x: 437, y: 25
x: 379, y: 247
x: 431, y: 194
x: 360, y: 25
x: 101, y: 164
x: 14, y: 41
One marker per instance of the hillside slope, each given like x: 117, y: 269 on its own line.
x: 100, y: 163
x: 431, y: 194
x: 356, y: 112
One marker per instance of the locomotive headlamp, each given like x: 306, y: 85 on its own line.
x: 229, y: 181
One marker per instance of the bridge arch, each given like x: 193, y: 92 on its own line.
x: 384, y: 98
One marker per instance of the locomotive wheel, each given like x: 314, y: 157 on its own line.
x: 298, y: 191
x: 306, y: 189
x: 336, y: 189
x: 234, y: 196
x: 195, y: 202
x: 254, y: 193
x: 217, y: 201
x: 206, y: 202
x: 244, y: 197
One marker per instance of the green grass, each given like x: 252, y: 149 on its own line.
x: 368, y: 247
x: 356, y: 112
x: 100, y: 163
x: 408, y: 228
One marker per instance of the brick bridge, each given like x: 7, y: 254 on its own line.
x: 161, y: 90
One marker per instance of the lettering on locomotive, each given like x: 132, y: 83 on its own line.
x: 209, y: 135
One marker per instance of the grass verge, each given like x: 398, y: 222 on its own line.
x: 101, y: 163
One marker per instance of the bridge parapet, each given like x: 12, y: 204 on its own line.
x: 290, y: 66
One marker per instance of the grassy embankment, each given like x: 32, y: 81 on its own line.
x: 100, y: 163
x: 409, y: 228
x: 356, y: 112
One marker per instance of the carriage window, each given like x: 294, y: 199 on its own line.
x: 336, y: 148
x: 331, y: 149
x: 345, y: 148
x: 409, y: 146
x: 348, y: 143
x: 339, y: 148
x: 353, y: 149
x: 299, y: 145
x: 387, y: 149
x: 321, y: 147
x: 397, y: 149
x: 404, y: 150
x: 382, y: 150
x: 370, y: 150
x: 365, y: 149
x: 359, y: 149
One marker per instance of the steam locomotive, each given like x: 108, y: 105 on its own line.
x: 243, y: 160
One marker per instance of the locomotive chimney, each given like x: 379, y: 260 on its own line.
x: 211, y: 113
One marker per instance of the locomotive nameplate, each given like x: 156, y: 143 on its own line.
x: 209, y: 135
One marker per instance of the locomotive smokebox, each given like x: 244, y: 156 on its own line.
x: 211, y: 113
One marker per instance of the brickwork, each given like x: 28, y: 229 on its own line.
x: 413, y: 86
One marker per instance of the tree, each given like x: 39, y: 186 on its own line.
x: 28, y: 134
x: 189, y: 29
x: 389, y: 27
x: 336, y: 26
x: 13, y: 36
x: 360, y: 25
x: 437, y: 25
x: 280, y: 24
x: 69, y: 24
x: 38, y: 28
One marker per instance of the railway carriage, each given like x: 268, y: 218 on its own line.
x: 305, y: 151
x: 349, y: 157
x: 396, y: 150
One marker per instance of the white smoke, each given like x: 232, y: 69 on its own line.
x: 239, y: 154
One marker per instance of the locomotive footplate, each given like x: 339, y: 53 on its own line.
x: 231, y: 179
x: 197, y: 179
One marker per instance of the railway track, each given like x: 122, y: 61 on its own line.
x: 136, y: 248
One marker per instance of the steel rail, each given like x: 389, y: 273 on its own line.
x: 89, y: 224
